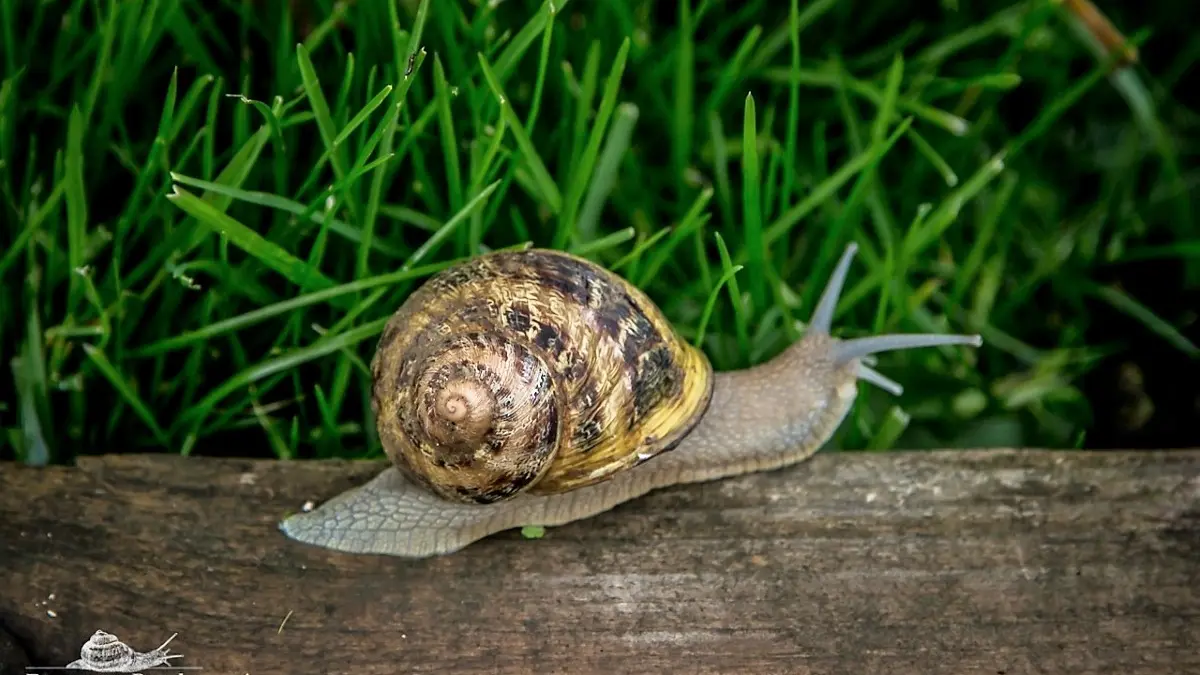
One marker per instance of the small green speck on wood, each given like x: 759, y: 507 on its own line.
x: 533, y: 532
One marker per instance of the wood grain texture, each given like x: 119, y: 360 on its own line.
x: 951, y: 563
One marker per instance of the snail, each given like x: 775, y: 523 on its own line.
x: 104, y: 653
x: 534, y: 387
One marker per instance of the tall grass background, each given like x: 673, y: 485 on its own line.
x: 210, y: 208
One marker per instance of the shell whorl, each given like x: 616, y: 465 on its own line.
x: 104, y: 648
x: 484, y: 411
x: 530, y: 371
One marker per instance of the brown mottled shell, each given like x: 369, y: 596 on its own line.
x: 531, y: 371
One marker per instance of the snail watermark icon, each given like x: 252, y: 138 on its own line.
x: 104, y: 653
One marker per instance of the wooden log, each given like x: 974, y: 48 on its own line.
x: 990, y: 562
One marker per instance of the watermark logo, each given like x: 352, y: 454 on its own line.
x: 104, y: 653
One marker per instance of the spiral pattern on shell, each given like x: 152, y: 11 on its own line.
x: 105, y: 648
x: 530, y: 371
x: 491, y: 408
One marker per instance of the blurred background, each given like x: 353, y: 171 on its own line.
x: 210, y: 207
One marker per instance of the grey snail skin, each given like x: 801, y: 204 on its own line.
x: 535, y: 387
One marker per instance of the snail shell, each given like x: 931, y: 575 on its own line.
x: 105, y: 652
x: 531, y: 371
x: 105, y: 649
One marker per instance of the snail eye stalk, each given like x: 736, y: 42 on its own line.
x: 863, y: 348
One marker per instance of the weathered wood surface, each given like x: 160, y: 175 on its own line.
x: 950, y: 562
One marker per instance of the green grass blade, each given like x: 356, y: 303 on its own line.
x: 549, y: 191
x: 740, y: 320
x: 711, y: 303
x: 451, y: 225
x: 77, y: 207
x: 1136, y: 310
x: 284, y: 308
x: 604, y: 179
x: 685, y: 93
x: 604, y: 243
x: 268, y: 253
x: 886, y: 435
x: 543, y: 64
x: 638, y: 251
x: 283, y: 204
x: 582, y: 172
x: 828, y: 187
x: 449, y: 139
x: 322, y: 347
x: 520, y: 43
x: 362, y: 116
x: 139, y: 407
x: 752, y: 226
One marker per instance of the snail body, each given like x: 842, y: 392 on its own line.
x: 535, y: 387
